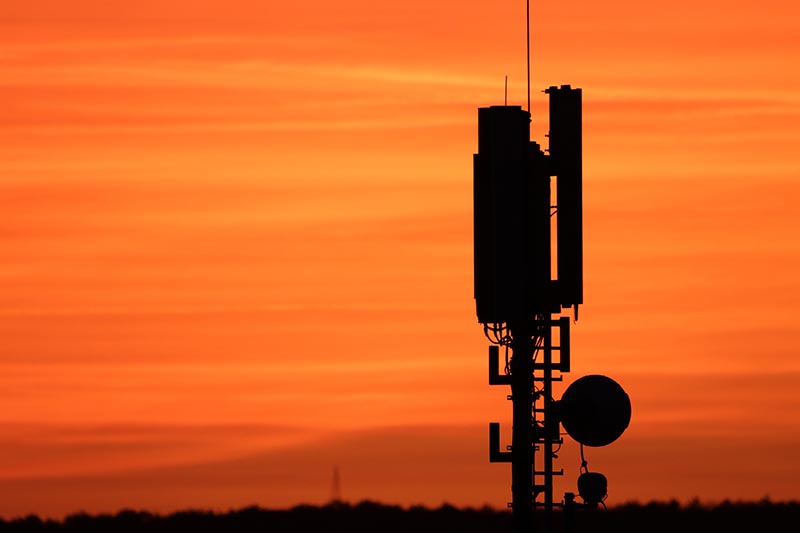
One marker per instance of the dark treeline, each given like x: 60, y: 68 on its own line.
x: 731, y: 517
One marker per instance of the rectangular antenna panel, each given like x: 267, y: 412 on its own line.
x: 566, y: 165
x: 511, y: 210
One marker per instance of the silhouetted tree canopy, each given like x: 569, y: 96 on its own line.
x: 372, y: 517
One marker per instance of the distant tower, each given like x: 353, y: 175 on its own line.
x: 336, y: 486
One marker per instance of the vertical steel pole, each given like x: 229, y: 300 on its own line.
x: 521, y: 437
x: 549, y: 430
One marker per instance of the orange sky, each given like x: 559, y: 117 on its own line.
x: 237, y: 250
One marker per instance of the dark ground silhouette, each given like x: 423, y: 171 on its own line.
x: 656, y: 517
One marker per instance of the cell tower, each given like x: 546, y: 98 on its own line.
x: 518, y: 230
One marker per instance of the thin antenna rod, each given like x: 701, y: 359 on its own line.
x: 505, y: 101
x: 528, y: 34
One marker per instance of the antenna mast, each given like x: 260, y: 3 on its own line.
x: 528, y: 40
x: 526, y: 277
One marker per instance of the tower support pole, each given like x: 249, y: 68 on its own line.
x: 550, y: 425
x: 522, y: 450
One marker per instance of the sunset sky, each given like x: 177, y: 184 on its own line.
x: 236, y: 248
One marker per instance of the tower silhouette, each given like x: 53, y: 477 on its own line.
x: 528, y: 273
x: 336, y: 486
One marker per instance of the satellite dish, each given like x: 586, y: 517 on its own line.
x: 595, y: 410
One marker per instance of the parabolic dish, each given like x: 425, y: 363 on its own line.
x: 595, y: 410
